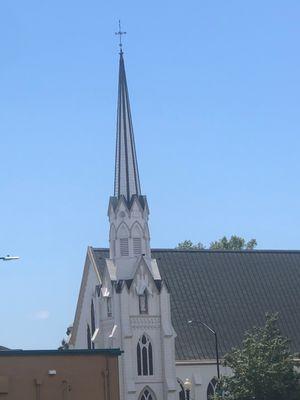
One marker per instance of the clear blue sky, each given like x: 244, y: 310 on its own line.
x: 215, y: 95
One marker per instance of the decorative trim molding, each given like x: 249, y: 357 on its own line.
x: 145, y: 322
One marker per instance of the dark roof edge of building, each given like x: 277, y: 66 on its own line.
x: 210, y: 251
x: 107, y: 352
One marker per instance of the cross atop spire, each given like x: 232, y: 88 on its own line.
x: 120, y: 33
x: 127, y: 181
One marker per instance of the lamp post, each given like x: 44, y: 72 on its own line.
x: 9, y: 258
x: 187, y: 384
x: 216, y: 341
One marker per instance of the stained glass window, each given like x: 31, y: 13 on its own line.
x: 147, y: 395
x: 144, y: 356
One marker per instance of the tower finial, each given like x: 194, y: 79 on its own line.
x: 120, y: 33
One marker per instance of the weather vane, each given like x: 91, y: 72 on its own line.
x: 120, y: 33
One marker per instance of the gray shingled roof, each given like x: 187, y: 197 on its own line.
x: 230, y: 291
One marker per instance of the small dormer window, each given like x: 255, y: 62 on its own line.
x: 137, y: 246
x: 143, y: 303
x: 124, y: 248
x: 109, y: 306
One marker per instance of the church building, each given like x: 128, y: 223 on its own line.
x: 141, y: 299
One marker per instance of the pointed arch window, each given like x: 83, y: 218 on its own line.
x: 211, y: 389
x: 143, y: 303
x: 147, y: 394
x: 144, y: 356
x: 137, y: 240
x: 123, y: 234
x: 88, y: 337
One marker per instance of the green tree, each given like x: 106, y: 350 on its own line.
x: 188, y: 244
x: 233, y: 243
x: 263, y: 369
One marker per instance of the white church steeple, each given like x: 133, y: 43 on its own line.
x: 125, y: 301
x: 128, y: 209
x: 127, y: 181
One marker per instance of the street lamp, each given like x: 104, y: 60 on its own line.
x: 216, y: 341
x: 187, y: 384
x: 9, y: 258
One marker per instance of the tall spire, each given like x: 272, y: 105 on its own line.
x: 127, y: 181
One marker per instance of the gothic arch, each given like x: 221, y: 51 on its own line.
x: 147, y: 394
x: 123, y: 231
x: 211, y: 388
x: 123, y: 237
x: 136, y: 234
x: 136, y: 230
x: 144, y: 356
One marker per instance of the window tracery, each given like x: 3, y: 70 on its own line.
x: 144, y: 356
x: 147, y: 395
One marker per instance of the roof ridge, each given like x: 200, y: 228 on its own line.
x: 211, y: 251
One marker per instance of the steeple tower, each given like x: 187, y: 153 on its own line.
x: 128, y: 209
x: 127, y: 181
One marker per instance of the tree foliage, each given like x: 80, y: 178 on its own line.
x: 188, y: 244
x: 263, y: 369
x: 233, y: 243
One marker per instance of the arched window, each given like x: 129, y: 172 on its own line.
x: 123, y: 234
x: 88, y: 337
x: 211, y: 388
x: 144, y: 356
x: 137, y: 234
x: 147, y: 394
x: 143, y: 303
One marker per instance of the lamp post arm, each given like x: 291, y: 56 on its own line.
x: 217, y: 355
x: 216, y: 341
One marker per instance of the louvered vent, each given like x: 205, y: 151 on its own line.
x: 137, y: 246
x: 124, y: 248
